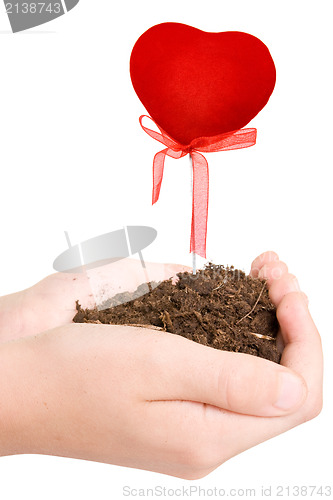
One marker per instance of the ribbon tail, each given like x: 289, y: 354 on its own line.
x: 199, y: 204
x: 158, y: 168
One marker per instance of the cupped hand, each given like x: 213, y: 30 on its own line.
x: 51, y: 302
x: 153, y: 400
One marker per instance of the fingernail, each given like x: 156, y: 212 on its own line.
x: 292, y: 391
x: 263, y: 272
x: 296, y: 285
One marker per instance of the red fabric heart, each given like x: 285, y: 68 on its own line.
x: 196, y: 84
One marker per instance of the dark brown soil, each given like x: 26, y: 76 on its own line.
x: 218, y: 307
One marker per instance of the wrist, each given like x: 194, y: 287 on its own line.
x: 47, y: 395
x: 27, y: 383
x: 12, y: 367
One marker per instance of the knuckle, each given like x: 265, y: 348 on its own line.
x: 315, y: 409
x: 312, y: 408
x: 197, y: 453
x: 191, y: 475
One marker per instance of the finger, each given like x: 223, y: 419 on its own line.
x: 261, y: 260
x: 233, y: 381
x: 125, y: 275
x: 303, y: 351
x: 279, y: 288
x: 128, y: 272
x: 297, y: 326
x: 161, y: 272
x: 273, y: 271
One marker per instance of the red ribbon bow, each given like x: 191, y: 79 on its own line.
x: 242, y: 138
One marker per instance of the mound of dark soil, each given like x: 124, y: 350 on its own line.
x: 220, y: 307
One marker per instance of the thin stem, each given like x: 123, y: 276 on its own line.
x: 194, y: 255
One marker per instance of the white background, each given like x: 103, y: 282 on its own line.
x: 72, y: 157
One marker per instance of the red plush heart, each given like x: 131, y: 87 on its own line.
x: 198, y: 84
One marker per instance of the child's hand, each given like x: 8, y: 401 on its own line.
x: 51, y: 302
x: 156, y: 401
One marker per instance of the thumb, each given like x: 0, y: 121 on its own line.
x: 237, y: 382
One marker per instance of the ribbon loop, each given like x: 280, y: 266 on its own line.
x: 238, y: 139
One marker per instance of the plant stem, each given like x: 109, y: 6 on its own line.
x: 194, y: 255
